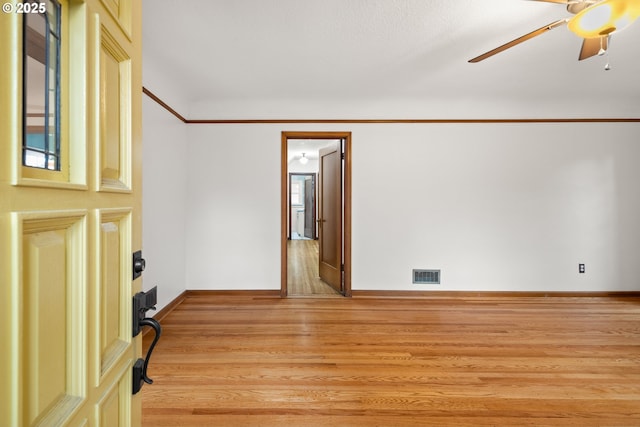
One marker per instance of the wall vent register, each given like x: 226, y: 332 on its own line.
x: 426, y: 276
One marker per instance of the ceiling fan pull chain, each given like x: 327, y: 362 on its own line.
x: 601, y: 51
x: 607, y: 67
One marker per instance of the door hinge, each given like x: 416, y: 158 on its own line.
x: 341, y: 267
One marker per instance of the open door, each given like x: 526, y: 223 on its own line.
x: 330, y: 217
x: 70, y: 212
x: 310, y: 207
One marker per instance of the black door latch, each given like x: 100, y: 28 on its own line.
x: 143, y: 302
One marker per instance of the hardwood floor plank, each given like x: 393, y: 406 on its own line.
x: 470, y: 361
x: 303, y: 278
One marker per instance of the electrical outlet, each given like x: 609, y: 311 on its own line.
x: 581, y: 268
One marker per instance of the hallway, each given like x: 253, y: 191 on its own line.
x: 302, y: 277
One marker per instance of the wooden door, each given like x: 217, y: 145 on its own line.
x: 68, y: 232
x: 330, y: 218
x: 310, y: 207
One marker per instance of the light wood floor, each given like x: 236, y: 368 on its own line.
x: 302, y: 272
x: 441, y: 361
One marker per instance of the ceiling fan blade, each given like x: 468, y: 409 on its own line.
x: 519, y: 40
x: 591, y: 47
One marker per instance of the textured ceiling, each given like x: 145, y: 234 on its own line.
x: 240, y: 58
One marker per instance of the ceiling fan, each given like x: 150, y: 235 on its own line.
x: 593, y: 20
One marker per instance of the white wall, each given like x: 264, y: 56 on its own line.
x: 498, y: 207
x: 233, y: 214
x: 160, y: 78
x: 511, y: 207
x: 164, y: 178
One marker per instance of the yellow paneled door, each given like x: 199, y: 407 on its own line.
x: 67, y: 236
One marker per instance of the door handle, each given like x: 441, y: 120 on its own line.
x: 143, y: 302
x: 140, y: 367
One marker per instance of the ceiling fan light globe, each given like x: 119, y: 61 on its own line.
x: 597, y: 18
x: 604, y: 18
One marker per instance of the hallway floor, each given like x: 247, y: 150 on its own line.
x: 303, y: 277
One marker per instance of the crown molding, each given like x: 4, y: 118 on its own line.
x: 163, y: 104
x: 376, y: 121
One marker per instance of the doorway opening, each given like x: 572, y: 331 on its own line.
x: 302, y: 206
x: 316, y: 214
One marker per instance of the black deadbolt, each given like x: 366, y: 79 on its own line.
x: 139, y: 264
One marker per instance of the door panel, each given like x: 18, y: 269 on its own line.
x: 330, y: 221
x: 46, y: 289
x: 67, y: 237
x: 113, y: 286
x: 121, y: 12
x: 115, y: 117
x: 52, y: 314
x: 114, y: 405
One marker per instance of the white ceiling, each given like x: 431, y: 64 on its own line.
x: 273, y: 58
x: 310, y: 148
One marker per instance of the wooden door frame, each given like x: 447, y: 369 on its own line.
x: 314, y: 178
x: 284, y: 203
